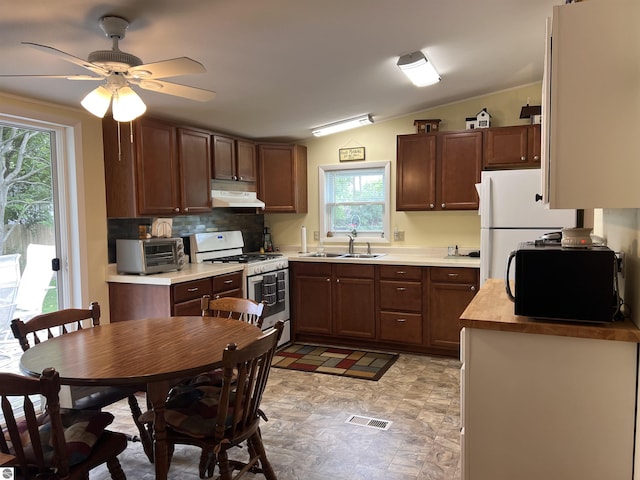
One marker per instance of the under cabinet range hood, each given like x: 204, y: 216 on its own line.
x: 233, y: 199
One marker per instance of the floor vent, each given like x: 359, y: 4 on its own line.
x: 369, y: 422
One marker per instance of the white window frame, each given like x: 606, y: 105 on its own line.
x: 323, y: 169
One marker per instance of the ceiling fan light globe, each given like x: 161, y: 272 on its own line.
x: 97, y: 101
x: 127, y: 105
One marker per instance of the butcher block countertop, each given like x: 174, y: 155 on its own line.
x: 491, y: 309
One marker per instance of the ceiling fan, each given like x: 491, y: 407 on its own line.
x: 121, y: 70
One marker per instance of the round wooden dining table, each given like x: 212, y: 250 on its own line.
x: 151, y: 351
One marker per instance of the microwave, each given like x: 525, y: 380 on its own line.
x: 559, y: 283
x: 151, y: 255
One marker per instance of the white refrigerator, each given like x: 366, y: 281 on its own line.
x: 509, y: 215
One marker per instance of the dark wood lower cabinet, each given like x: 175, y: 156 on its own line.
x: 404, y: 308
x: 334, y: 300
x: 450, y: 291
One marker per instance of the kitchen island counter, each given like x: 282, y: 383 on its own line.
x: 491, y: 309
x: 543, y: 399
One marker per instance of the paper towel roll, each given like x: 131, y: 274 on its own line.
x: 303, y: 239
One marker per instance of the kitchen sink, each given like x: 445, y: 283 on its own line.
x: 345, y: 255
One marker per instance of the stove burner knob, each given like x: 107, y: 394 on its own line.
x: 258, y: 269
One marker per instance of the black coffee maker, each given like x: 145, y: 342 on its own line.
x: 267, y: 244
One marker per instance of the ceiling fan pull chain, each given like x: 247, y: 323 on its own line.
x: 119, y: 144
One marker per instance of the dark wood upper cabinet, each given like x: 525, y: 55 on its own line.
x: 233, y: 159
x: 459, y: 169
x: 194, y: 160
x: 158, y: 169
x: 512, y: 147
x: 416, y: 172
x: 282, y: 177
x: 438, y: 171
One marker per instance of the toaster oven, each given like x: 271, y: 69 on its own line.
x: 151, y: 255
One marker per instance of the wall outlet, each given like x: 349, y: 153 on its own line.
x: 398, y: 235
x: 316, y: 235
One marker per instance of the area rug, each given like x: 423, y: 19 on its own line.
x: 334, y: 361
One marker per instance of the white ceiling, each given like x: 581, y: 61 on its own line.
x: 282, y: 67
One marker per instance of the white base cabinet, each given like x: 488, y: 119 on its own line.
x: 546, y: 407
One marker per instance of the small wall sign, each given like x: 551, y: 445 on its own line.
x: 351, y: 154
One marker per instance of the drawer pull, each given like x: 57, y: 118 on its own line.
x: 401, y: 320
x: 193, y: 289
x: 401, y: 289
x: 228, y: 281
x: 401, y: 272
x: 453, y: 274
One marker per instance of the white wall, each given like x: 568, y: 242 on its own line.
x: 621, y: 228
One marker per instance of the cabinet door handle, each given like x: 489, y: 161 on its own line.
x: 536, y: 157
x: 240, y: 178
x: 177, y: 210
x: 523, y: 158
x: 473, y: 288
x: 401, y: 320
x: 337, y: 280
x: 186, y: 209
x: 193, y: 289
x: 431, y: 205
x: 234, y: 177
x: 444, y: 205
x: 328, y: 280
x: 401, y: 289
x: 453, y: 274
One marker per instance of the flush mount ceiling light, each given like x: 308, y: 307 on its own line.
x: 419, y: 70
x: 343, y: 125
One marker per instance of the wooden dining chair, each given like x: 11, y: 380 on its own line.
x: 219, y: 418
x: 48, y: 325
x: 55, y: 445
x: 233, y: 307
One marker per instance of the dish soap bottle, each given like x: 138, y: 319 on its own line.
x: 267, y: 244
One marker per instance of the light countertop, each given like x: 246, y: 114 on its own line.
x: 422, y: 257
x: 491, y: 309
x: 191, y: 271
x: 398, y: 256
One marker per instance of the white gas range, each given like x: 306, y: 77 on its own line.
x: 265, y: 276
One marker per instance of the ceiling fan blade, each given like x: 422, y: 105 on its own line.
x: 167, y: 68
x: 67, y: 77
x: 176, y: 89
x: 68, y: 57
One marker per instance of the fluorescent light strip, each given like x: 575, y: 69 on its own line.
x: 343, y: 125
x: 419, y: 70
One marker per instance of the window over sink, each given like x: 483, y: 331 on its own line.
x: 355, y: 200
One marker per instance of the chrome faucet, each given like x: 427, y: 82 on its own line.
x: 351, y: 239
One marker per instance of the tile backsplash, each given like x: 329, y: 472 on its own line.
x: 220, y: 219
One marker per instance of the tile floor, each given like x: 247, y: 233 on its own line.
x: 307, y: 438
